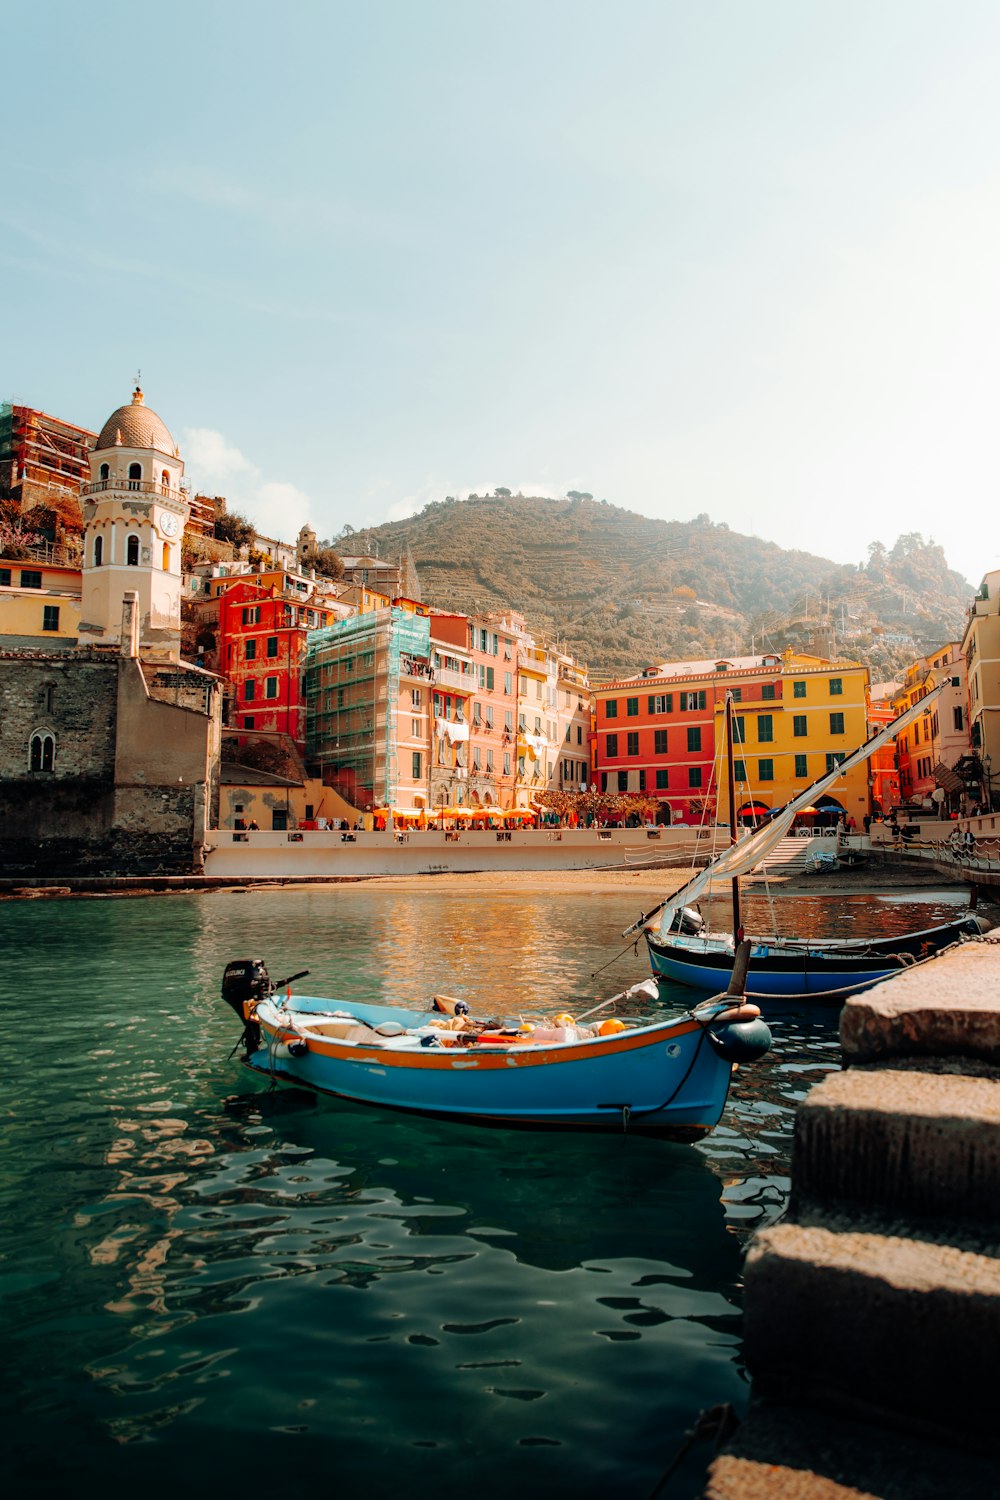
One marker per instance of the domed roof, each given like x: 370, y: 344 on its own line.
x: 136, y: 426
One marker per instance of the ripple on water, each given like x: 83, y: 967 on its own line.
x: 189, y: 1259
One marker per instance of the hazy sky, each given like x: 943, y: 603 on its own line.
x: 726, y: 257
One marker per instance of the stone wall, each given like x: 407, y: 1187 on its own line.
x: 873, y: 1310
x: 132, y: 784
x: 70, y: 695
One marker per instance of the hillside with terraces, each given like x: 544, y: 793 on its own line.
x: 620, y: 590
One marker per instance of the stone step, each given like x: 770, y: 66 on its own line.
x: 876, y: 1324
x: 944, y: 1009
x: 785, y: 1453
x: 900, y: 1142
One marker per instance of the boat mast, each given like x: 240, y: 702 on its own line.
x: 737, y: 919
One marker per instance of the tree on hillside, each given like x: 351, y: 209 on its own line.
x: 501, y: 493
x: 910, y: 541
x: 328, y: 562
x: 877, y: 559
x: 235, y: 529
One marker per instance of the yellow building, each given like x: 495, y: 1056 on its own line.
x: 39, y: 603
x: 815, y: 715
x: 981, y: 649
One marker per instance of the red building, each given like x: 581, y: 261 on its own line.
x: 656, y: 733
x: 261, y: 643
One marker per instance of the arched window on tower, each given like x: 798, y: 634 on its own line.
x: 42, y: 751
x: 98, y: 551
x: 166, y: 557
x: 104, y: 473
x: 165, y: 482
x: 132, y: 550
x: 134, y: 476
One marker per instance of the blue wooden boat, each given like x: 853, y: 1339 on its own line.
x: 665, y: 1077
x: 786, y: 968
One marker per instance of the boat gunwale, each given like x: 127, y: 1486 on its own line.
x: 491, y: 1054
x: 722, y: 943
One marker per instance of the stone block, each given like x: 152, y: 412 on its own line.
x: 900, y: 1143
x: 877, y: 1325
x: 786, y: 1453
x: 948, y: 1008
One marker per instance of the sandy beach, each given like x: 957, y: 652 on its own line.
x: 660, y: 883
x: 649, y: 885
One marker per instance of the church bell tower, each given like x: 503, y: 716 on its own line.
x: 134, y: 512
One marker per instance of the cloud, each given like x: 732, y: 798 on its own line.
x: 214, y: 458
x: 216, y: 466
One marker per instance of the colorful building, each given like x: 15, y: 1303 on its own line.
x: 662, y: 733
x: 263, y: 623
x: 368, y: 684
x: 474, y: 667
x: 417, y: 710
x: 883, y: 768
x: 929, y: 751
x: 39, y: 603
x: 574, y: 711
x: 981, y: 649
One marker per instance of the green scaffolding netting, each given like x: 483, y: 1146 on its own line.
x: 351, y: 676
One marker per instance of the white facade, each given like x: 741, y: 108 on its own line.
x: 134, y: 512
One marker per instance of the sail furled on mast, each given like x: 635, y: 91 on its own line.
x: 742, y: 857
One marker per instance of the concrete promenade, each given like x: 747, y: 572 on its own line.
x: 873, y: 1308
x: 334, y: 854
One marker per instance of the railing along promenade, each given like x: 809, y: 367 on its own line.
x: 969, y: 851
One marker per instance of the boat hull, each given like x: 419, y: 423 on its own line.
x: 780, y: 969
x: 663, y: 1079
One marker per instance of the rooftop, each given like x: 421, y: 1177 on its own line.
x: 136, y: 426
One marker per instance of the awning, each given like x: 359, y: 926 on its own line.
x: 946, y: 777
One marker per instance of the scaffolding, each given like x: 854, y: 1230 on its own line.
x: 43, y: 461
x: 352, y: 674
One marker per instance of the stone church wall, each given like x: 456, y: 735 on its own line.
x: 107, y: 806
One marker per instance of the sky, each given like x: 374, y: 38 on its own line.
x: 725, y: 258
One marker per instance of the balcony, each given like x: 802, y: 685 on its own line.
x: 414, y: 666
x: 135, y: 487
x: 460, y: 682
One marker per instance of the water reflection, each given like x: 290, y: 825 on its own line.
x: 190, y: 1258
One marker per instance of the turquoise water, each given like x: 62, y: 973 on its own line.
x: 206, y: 1283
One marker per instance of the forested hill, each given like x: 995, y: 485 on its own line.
x: 621, y: 591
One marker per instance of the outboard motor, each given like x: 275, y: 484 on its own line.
x: 687, y: 920
x: 245, y: 979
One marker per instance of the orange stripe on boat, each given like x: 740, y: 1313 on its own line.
x: 483, y: 1058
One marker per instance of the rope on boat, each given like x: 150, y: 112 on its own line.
x: 718, y: 1423
x: 632, y: 948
